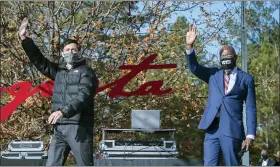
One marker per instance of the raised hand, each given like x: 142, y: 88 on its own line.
x: 23, y: 29
x: 191, y: 35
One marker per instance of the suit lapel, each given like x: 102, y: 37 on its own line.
x: 220, y: 81
x: 239, y: 76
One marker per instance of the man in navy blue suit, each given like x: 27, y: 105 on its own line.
x: 222, y: 121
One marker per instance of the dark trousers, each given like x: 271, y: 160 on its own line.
x: 215, y: 144
x: 77, y: 138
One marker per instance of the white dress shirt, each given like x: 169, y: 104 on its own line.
x: 264, y: 162
x: 232, y: 78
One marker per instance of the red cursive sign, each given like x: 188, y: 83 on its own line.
x: 22, y: 90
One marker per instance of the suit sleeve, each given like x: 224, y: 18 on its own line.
x: 84, y: 99
x: 45, y: 66
x: 198, y: 70
x: 251, y: 111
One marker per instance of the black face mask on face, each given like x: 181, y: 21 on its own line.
x: 264, y: 157
x: 228, y: 63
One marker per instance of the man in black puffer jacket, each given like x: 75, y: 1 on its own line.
x: 72, y: 103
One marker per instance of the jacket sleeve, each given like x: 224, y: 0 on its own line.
x: 198, y: 70
x: 45, y: 66
x: 251, y: 111
x: 84, y: 99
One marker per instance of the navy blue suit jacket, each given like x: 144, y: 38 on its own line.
x: 231, y: 117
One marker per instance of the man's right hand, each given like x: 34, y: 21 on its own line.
x: 190, y: 36
x: 23, y: 29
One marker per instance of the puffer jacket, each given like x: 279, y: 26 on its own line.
x: 74, y: 89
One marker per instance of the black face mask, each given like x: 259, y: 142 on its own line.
x: 264, y: 157
x: 228, y: 63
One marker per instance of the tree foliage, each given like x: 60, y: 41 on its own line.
x: 114, y: 34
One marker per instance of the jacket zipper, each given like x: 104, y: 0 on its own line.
x: 64, y: 95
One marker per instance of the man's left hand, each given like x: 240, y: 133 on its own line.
x: 54, y: 117
x: 247, y: 143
